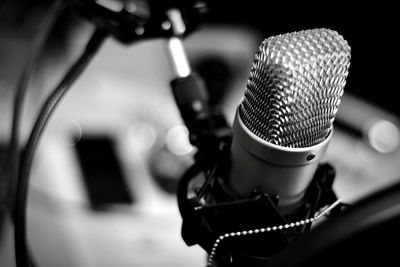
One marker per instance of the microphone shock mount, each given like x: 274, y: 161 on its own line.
x: 246, y: 231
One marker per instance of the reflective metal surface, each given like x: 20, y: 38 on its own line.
x: 295, y: 87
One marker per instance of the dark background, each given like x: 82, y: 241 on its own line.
x: 370, y: 28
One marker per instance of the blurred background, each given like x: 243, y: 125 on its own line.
x: 104, y: 178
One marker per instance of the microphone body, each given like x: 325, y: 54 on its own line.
x: 266, y: 189
x: 272, y: 169
x: 283, y: 125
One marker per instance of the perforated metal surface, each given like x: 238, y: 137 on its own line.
x: 295, y: 87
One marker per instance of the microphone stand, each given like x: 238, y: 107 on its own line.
x: 207, y: 126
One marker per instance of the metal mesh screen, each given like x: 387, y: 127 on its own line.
x: 295, y: 87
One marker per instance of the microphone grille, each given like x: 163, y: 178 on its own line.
x: 295, y: 87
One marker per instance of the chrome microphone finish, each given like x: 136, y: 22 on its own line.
x: 284, y: 122
x: 295, y: 87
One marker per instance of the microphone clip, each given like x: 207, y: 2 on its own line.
x: 132, y: 20
x: 212, y: 214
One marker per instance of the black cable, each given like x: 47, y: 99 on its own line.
x: 38, y: 45
x: 21, y: 247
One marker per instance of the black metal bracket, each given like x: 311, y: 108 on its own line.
x: 132, y: 20
x: 208, y: 128
x: 217, y: 214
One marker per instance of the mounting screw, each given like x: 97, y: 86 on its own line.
x: 139, y: 30
x: 310, y: 157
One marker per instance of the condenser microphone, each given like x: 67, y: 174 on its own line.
x: 283, y: 125
x: 266, y: 186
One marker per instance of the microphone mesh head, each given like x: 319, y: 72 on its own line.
x: 295, y: 87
